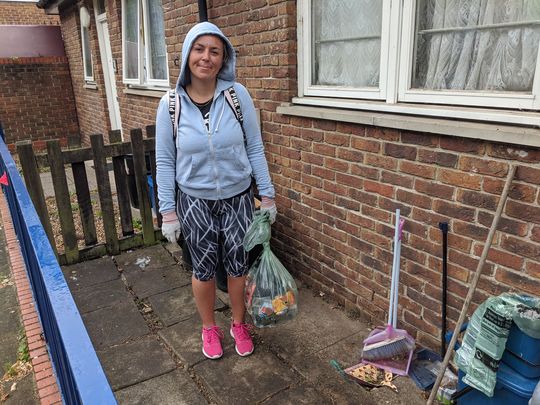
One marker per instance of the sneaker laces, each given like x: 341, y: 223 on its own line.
x: 214, y: 332
x: 242, y: 331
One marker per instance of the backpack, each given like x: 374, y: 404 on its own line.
x: 230, y: 97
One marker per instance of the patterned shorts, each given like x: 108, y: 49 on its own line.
x: 214, y: 231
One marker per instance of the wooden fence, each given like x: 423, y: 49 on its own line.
x: 74, y: 158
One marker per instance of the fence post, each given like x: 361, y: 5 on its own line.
x: 34, y: 186
x: 151, y: 134
x: 105, y: 195
x: 141, y: 181
x: 122, y: 191
x: 63, y: 201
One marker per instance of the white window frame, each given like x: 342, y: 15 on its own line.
x: 87, y: 78
x: 394, y: 91
x: 333, y: 91
x: 143, y: 52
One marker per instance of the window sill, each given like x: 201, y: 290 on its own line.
x: 90, y: 86
x: 490, y: 131
x: 145, y: 91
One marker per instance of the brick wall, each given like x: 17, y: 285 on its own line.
x: 27, y: 109
x: 12, y: 13
x: 91, y: 100
x: 339, y: 184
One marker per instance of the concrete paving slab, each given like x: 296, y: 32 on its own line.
x: 9, y: 344
x: 10, y: 321
x: 158, y: 280
x: 114, y: 325
x: 175, y: 250
x: 153, y: 257
x: 316, y: 326
x: 90, y: 273
x: 134, y: 362
x: 174, y: 388
x: 298, y: 395
x: 8, y: 297
x: 108, y: 294
x: 184, y: 338
x: 316, y: 369
x: 248, y: 379
x: 24, y: 393
x: 177, y: 305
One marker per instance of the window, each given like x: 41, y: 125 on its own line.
x: 85, y: 43
x: 481, y: 53
x: 144, y: 48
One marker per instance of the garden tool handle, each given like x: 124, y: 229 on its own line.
x: 474, y: 282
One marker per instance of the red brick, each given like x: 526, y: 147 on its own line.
x: 518, y: 281
x: 460, y: 179
x: 454, y: 210
x: 420, y: 170
x: 521, y: 247
x: 399, y: 151
x: 524, y: 212
x: 437, y: 158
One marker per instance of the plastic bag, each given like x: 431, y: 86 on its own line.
x: 485, y: 339
x: 271, y: 296
x: 258, y: 232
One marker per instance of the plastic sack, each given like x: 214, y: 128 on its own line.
x: 258, y: 232
x: 271, y: 296
x: 484, y: 341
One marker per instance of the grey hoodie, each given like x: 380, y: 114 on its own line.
x: 211, y: 164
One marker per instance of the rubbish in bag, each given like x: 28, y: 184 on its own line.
x: 270, y: 293
x: 485, y: 338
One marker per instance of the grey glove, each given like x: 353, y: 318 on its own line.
x: 269, y: 205
x: 170, y: 226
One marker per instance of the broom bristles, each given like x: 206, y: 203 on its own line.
x: 386, y: 349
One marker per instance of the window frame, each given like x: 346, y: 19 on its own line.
x: 397, y: 96
x: 87, y: 78
x: 143, y: 51
x: 372, y: 93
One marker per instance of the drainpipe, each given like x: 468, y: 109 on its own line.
x: 203, y: 11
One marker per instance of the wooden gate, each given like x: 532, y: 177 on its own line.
x: 74, y: 158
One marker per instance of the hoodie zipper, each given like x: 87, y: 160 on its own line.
x: 212, y: 153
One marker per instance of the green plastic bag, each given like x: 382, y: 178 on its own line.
x: 484, y: 341
x: 271, y: 295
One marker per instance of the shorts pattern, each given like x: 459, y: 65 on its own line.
x: 214, y: 230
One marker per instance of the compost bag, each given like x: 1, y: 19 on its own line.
x: 271, y: 295
x: 485, y: 339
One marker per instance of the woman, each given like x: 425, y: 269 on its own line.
x: 213, y: 165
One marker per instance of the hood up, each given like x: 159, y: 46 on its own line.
x: 227, y: 72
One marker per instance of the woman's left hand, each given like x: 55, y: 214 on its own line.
x: 269, y: 205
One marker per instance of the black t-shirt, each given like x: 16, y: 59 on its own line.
x: 204, y: 108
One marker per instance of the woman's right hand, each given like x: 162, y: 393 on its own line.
x: 170, y: 226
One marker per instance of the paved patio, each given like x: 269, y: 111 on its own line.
x: 141, y: 317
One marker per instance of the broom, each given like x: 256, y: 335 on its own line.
x: 390, y: 342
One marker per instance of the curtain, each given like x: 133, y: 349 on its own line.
x: 158, y: 49
x: 464, y: 57
x: 88, y: 70
x: 131, y: 38
x: 346, y: 42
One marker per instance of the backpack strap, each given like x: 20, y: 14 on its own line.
x: 230, y: 96
x: 232, y: 100
x: 174, y: 113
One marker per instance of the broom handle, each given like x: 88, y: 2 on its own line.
x: 399, y: 225
x: 391, y: 319
x: 472, y: 287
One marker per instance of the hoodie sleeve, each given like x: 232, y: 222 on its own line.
x: 165, y: 158
x: 255, y: 146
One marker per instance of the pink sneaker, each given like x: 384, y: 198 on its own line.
x: 244, y: 344
x: 211, y: 338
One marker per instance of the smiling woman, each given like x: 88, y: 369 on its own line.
x: 214, y: 205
